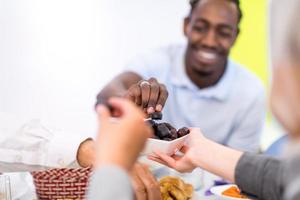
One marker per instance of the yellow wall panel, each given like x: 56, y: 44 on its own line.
x: 250, y: 48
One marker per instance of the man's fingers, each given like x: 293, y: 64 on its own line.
x: 151, y: 184
x: 154, y: 94
x: 138, y: 185
x: 134, y: 94
x: 145, y: 90
x: 148, y: 94
x: 139, y: 188
x: 163, y: 95
x: 145, y: 174
x: 130, y: 96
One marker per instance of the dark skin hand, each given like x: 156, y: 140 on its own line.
x: 149, y: 94
x: 86, y: 153
x: 144, y: 183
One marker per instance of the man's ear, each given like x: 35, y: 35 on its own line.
x: 238, y: 32
x: 185, y: 25
x: 236, y: 37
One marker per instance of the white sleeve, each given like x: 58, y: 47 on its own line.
x: 246, y: 133
x: 151, y: 64
x: 30, y: 145
x: 62, y: 149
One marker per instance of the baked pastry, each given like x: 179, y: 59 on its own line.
x: 174, y: 188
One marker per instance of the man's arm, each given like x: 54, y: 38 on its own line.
x: 118, y: 86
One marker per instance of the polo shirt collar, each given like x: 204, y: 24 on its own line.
x: 219, y: 91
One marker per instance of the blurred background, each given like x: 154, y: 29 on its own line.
x: 56, y: 55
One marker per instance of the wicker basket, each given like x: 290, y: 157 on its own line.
x: 61, y: 184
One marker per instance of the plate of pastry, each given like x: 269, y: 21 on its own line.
x: 174, y: 188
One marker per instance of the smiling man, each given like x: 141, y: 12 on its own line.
x: 206, y: 89
x: 203, y: 86
x: 211, y: 30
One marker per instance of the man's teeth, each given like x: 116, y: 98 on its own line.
x: 206, y: 55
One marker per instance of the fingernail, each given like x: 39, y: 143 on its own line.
x: 150, y: 110
x: 158, y: 107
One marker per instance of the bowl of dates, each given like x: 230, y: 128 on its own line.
x: 166, y: 138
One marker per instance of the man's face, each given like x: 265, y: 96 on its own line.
x: 211, y: 31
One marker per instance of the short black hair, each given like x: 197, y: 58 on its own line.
x: 194, y: 3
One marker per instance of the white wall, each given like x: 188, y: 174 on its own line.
x: 56, y: 55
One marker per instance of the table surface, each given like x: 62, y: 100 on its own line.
x: 23, y: 188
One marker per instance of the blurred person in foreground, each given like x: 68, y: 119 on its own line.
x: 259, y: 175
x: 118, y: 146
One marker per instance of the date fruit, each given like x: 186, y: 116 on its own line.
x: 165, y: 131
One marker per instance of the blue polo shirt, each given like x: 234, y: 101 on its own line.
x: 231, y: 112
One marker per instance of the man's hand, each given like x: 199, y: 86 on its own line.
x: 144, y: 183
x: 120, y: 142
x: 148, y: 94
x: 86, y: 153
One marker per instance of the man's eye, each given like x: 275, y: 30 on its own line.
x: 225, y: 34
x: 199, y: 29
